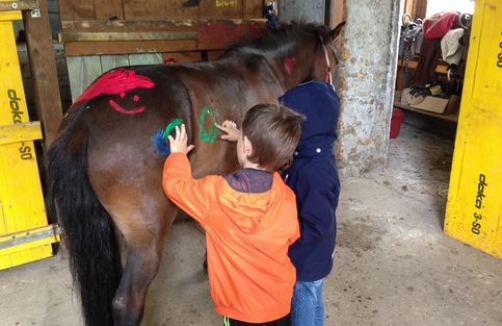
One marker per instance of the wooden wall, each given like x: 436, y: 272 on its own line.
x: 99, y: 35
x: 133, y: 26
x: 140, y: 10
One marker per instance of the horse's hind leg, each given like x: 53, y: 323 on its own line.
x: 144, y: 230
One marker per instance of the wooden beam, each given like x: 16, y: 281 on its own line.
x: 126, y: 36
x: 327, y: 12
x: 121, y: 37
x: 416, y: 8
x: 337, y: 14
x: 108, y: 9
x: 91, y: 48
x: 151, y: 26
x: 18, y: 5
x: 20, y: 132
x: 43, y: 72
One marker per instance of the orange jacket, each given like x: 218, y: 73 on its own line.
x: 247, y: 236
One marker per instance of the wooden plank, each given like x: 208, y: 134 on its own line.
x: 78, y: 10
x: 182, y: 57
x: 213, y: 35
x: 221, y: 34
x: 441, y: 68
x: 213, y: 55
x: 416, y: 8
x: 88, y: 48
x: 253, y: 8
x: 43, y: 71
x: 162, y: 10
x: 337, y: 12
x: 18, y: 5
x: 221, y: 9
x: 20, y: 132
x: 116, y: 26
x: 108, y: 9
x: 139, y: 10
x: 453, y: 117
x: 127, y: 36
x: 150, y: 26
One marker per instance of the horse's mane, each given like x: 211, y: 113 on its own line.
x: 273, y: 39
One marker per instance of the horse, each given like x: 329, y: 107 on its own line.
x: 105, y: 164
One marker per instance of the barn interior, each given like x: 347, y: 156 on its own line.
x: 405, y: 253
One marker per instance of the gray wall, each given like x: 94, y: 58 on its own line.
x: 365, y: 77
x: 296, y: 10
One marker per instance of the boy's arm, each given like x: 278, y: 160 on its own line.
x: 230, y: 129
x: 177, y: 181
x: 181, y: 188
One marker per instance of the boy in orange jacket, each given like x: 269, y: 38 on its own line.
x: 249, y: 216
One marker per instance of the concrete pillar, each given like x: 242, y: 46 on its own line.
x: 366, y: 83
x: 365, y: 76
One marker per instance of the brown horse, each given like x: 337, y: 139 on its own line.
x: 105, y: 166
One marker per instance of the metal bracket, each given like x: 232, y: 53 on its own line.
x: 25, y: 239
x: 35, y: 13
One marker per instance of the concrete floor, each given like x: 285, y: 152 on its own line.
x: 394, y: 265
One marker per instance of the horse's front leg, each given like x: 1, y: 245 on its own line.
x: 145, y: 243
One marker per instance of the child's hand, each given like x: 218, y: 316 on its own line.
x: 178, y: 144
x: 230, y: 128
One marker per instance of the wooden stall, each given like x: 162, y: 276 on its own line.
x: 100, y: 35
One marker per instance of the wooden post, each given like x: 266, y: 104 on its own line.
x: 416, y: 8
x: 336, y: 12
x: 43, y: 71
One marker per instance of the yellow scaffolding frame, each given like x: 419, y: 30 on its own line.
x: 474, y: 208
x: 25, y: 235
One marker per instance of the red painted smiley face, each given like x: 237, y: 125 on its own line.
x: 118, y: 82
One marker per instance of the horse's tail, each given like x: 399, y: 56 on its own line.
x: 87, y: 231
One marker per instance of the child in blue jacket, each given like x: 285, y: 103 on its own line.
x: 313, y: 176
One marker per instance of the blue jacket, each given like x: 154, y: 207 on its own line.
x: 313, y: 176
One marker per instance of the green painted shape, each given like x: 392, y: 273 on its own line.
x: 210, y: 134
x: 176, y: 122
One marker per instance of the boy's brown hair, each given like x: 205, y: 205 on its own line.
x: 274, y: 131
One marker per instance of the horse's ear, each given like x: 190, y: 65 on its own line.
x: 337, y: 30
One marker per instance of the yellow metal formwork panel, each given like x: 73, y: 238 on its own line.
x: 474, y: 208
x: 24, y: 233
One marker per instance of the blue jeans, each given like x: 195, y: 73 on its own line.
x: 307, y: 308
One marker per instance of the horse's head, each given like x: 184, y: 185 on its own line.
x: 326, y: 54
x: 295, y: 53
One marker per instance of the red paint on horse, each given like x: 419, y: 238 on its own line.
x: 290, y: 64
x: 120, y: 109
x: 115, y: 82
